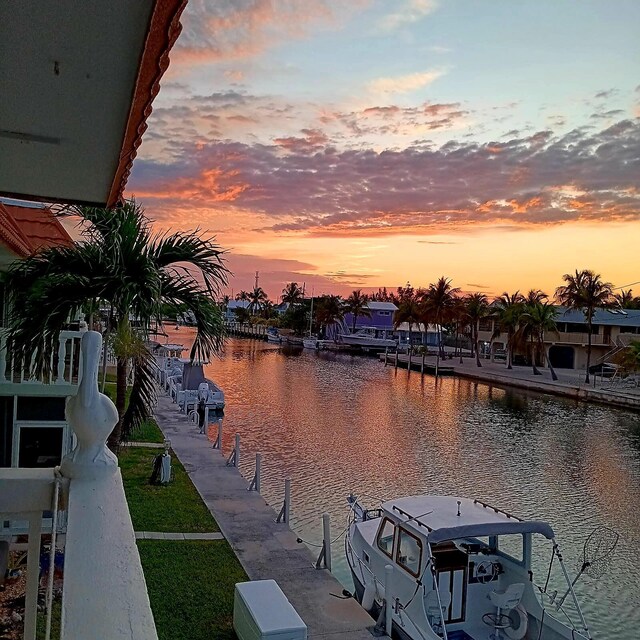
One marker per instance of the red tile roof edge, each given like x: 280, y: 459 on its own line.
x: 11, y: 234
x: 164, y: 29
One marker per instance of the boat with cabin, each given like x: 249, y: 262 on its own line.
x: 368, y: 339
x: 459, y: 569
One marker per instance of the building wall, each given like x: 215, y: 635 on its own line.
x: 378, y: 319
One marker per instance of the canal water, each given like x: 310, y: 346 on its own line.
x: 336, y: 423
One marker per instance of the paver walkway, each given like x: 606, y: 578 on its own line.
x: 266, y: 550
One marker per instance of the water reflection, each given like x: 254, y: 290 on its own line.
x: 335, y: 423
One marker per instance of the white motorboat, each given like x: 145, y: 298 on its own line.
x: 459, y: 569
x: 273, y: 336
x: 315, y: 343
x: 366, y: 339
x: 188, y: 386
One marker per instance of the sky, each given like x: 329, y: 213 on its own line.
x: 373, y: 143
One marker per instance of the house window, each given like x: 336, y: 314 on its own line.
x: 40, y: 409
x: 40, y: 446
x: 409, y: 552
x: 385, y: 537
x: 485, y: 325
x: 384, y: 313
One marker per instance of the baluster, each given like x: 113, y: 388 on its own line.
x: 80, y: 365
x: 62, y: 349
x: 3, y: 357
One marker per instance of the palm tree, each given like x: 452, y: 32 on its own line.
x: 586, y: 291
x: 626, y: 300
x: 357, y: 304
x: 329, y: 310
x: 292, y: 293
x: 477, y: 308
x: 438, y: 304
x: 408, y: 311
x: 542, y: 317
x: 257, y: 298
x: 242, y: 295
x: 138, y: 274
x: 509, y: 309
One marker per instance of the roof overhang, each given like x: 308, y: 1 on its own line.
x: 77, y: 79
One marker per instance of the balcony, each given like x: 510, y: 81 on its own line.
x: 104, y: 592
x: 59, y: 379
x: 569, y: 337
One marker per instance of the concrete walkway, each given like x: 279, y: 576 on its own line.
x: 570, y: 383
x: 161, y: 535
x: 266, y: 550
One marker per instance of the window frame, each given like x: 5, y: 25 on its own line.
x: 380, y: 531
x: 400, y: 530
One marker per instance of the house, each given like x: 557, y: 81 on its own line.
x: 77, y: 81
x: 33, y: 428
x: 230, y: 312
x: 612, y: 330
x: 380, y: 318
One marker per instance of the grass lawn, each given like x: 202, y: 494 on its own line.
x: 191, y: 587
x: 176, y: 507
x: 148, y: 431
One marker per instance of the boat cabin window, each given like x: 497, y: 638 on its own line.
x: 409, y: 554
x: 385, y: 537
x: 512, y: 547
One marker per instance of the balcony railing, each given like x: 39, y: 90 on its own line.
x: 64, y: 363
x: 570, y: 337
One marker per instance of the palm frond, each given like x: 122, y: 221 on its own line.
x: 143, y: 394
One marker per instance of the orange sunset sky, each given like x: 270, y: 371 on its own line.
x: 371, y: 143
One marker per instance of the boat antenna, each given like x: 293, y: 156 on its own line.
x: 416, y: 518
x: 596, y: 556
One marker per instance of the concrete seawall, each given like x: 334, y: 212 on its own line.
x: 568, y: 385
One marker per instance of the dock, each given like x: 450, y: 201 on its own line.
x: 570, y: 383
x: 266, y: 549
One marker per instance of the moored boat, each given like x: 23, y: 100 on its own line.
x: 366, y: 339
x: 459, y: 569
x: 188, y: 386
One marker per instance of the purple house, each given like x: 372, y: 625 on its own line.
x: 381, y: 317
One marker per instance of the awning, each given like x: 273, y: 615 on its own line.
x: 490, y: 529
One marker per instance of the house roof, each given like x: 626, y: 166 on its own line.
x: 611, y: 317
x: 381, y: 306
x: 77, y: 81
x: 26, y: 230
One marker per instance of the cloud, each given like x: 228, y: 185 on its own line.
x: 403, y: 84
x: 222, y: 30
x: 411, y: 11
x: 436, y: 242
x: 303, y: 186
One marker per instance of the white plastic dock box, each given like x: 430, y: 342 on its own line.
x: 261, y: 610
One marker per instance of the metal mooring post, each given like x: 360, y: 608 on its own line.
x: 324, y: 559
x: 218, y: 443
x: 396, y: 364
x: 205, y: 424
x: 234, y: 459
x: 255, y: 483
x: 388, y: 617
x: 386, y: 353
x: 283, y: 516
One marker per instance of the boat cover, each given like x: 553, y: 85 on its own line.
x: 192, y: 376
x: 490, y: 529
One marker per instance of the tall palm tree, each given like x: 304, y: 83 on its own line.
x: 541, y: 317
x: 329, y: 310
x: 477, y: 308
x: 357, y: 304
x: 257, y: 298
x: 438, y: 304
x: 137, y: 273
x: 292, y: 293
x: 626, y: 300
x: 509, y: 307
x: 242, y: 295
x: 408, y: 311
x: 586, y: 291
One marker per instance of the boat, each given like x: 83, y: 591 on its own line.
x: 315, y: 343
x: 188, y: 386
x: 480, y: 558
x: 273, y: 335
x: 365, y: 338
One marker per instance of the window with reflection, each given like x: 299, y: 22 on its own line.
x: 385, y: 537
x: 409, y: 552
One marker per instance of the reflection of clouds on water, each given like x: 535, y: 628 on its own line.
x: 336, y: 423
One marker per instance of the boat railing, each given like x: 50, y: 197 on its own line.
x: 356, y: 560
x: 486, y: 505
x: 413, y: 518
